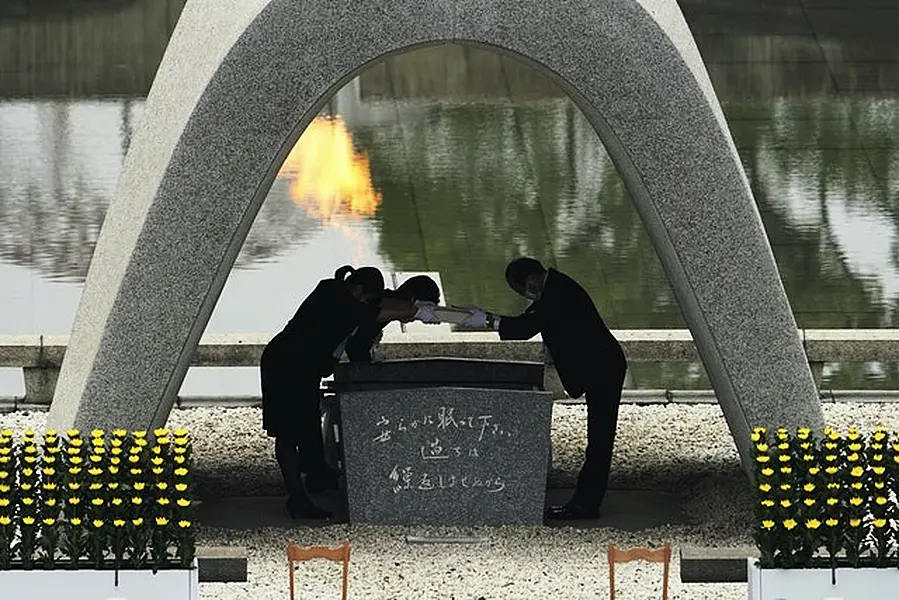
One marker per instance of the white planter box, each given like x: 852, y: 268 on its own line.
x: 817, y: 584
x: 176, y: 584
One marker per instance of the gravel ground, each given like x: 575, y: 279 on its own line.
x: 673, y: 448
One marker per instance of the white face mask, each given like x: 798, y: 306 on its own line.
x: 531, y: 296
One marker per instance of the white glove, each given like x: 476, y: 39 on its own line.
x: 477, y: 320
x: 425, y: 312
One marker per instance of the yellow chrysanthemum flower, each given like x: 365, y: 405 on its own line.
x: 49, y: 522
x: 855, y: 522
x: 768, y: 472
x: 118, y: 523
x: 765, y: 487
x: 180, y: 486
x: 855, y: 501
x: 832, y: 522
x: 137, y: 522
x: 183, y: 524
x: 767, y: 503
x: 786, y: 503
x: 786, y: 470
x: 28, y: 520
x: 879, y: 523
x: 789, y: 524
x: 74, y: 500
x: 762, y: 458
x: 75, y: 521
x: 162, y: 521
x: 812, y: 524
x: 182, y: 472
x: 880, y: 500
x: 879, y: 470
x: 5, y: 521
x: 98, y: 523
x: 183, y: 502
x: 831, y: 501
x: 97, y: 433
x: 809, y: 502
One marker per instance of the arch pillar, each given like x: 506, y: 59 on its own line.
x: 240, y: 81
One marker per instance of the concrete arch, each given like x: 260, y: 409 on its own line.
x: 240, y: 81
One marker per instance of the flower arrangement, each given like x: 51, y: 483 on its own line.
x: 116, y: 501
x: 827, y: 501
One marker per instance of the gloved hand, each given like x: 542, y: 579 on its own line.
x: 424, y: 312
x: 477, y: 320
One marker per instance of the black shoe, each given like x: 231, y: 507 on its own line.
x: 305, y: 508
x: 572, y: 512
x: 324, y: 481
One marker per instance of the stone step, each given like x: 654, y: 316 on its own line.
x: 715, y: 565
x: 222, y: 564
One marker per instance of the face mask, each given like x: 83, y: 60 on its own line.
x: 531, y: 296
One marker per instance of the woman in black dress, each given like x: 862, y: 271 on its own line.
x: 296, y: 359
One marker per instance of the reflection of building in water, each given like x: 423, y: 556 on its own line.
x: 59, y: 164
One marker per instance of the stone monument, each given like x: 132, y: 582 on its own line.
x: 446, y: 456
x: 242, y: 79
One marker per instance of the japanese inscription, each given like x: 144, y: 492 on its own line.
x: 450, y: 448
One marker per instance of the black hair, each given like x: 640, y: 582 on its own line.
x: 370, y: 278
x: 420, y: 287
x: 521, y: 268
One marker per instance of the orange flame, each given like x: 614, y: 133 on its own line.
x: 329, y: 178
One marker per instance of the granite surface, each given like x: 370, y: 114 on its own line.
x: 222, y: 115
x: 430, y: 372
x: 446, y: 456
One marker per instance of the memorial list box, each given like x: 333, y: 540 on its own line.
x: 446, y: 456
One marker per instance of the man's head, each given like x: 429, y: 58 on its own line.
x: 420, y: 287
x: 525, y: 276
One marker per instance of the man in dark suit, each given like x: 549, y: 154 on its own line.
x: 589, y: 361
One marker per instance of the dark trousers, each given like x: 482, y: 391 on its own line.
x: 603, y: 399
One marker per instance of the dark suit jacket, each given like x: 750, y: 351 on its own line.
x: 358, y: 349
x: 325, y: 318
x: 583, y: 349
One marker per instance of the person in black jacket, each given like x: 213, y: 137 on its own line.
x: 587, y: 356
x: 296, y: 359
x: 420, y: 288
